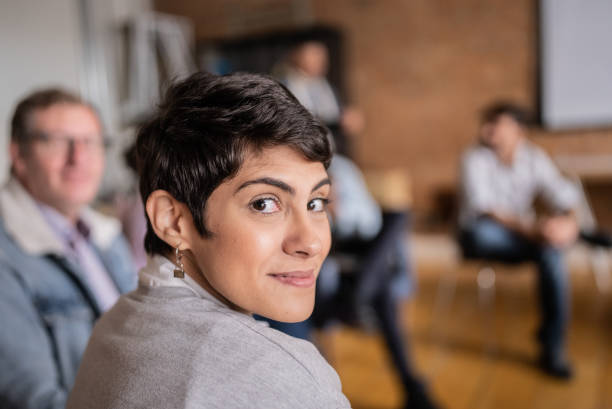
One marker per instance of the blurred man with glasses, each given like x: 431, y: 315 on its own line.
x: 61, y: 263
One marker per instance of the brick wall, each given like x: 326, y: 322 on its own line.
x: 421, y: 70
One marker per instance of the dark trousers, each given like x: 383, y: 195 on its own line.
x: 489, y: 240
x: 379, y: 259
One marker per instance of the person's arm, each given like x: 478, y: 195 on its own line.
x: 28, y: 374
x: 560, y: 193
x: 355, y: 212
x: 479, y: 196
x: 528, y: 230
x: 560, y: 228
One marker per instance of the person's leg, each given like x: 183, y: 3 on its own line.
x: 327, y: 293
x: 489, y: 240
x: 554, y: 301
x: 386, y: 309
x: 375, y: 272
x: 374, y: 280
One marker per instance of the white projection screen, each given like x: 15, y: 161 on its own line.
x: 576, y: 63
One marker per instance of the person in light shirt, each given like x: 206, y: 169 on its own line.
x: 61, y: 263
x: 501, y: 177
x: 234, y: 182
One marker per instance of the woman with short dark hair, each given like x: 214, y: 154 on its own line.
x: 233, y: 177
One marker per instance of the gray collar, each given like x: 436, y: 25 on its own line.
x: 159, y: 272
x: 24, y: 222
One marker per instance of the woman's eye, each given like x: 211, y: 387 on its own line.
x: 317, y: 205
x: 265, y: 205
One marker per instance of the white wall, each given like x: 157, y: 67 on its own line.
x: 576, y: 63
x: 39, y: 46
x: 42, y: 43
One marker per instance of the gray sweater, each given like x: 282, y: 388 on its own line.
x: 166, y: 347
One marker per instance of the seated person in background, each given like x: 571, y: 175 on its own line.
x: 304, y: 72
x: 500, y: 179
x: 359, y: 227
x: 380, y: 274
x: 233, y: 177
x: 61, y: 263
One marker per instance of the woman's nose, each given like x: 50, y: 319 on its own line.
x: 303, y: 237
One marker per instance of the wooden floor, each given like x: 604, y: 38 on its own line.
x: 483, y: 357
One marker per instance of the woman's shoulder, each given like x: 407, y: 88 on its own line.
x: 290, y: 370
x: 256, y: 342
x: 258, y: 362
x: 213, y: 352
x: 206, y: 328
x: 276, y: 345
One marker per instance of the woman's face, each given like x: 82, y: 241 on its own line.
x: 270, y: 235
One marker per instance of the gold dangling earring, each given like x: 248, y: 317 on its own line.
x: 179, y: 272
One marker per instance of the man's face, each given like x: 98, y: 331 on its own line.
x: 502, y: 135
x: 62, y: 164
x: 312, y: 59
x: 270, y: 235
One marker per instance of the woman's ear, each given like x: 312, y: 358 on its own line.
x: 168, y: 217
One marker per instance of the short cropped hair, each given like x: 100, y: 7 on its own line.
x: 204, y: 127
x: 21, y: 123
x: 492, y: 113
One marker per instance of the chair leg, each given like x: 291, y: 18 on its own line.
x: 486, y: 286
x: 600, y: 264
x: 486, y: 301
x: 445, y: 294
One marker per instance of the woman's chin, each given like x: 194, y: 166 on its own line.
x: 290, y: 315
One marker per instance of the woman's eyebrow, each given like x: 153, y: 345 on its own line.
x: 279, y: 184
x: 324, y: 182
x: 267, y: 181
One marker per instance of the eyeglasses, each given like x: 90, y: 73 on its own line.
x: 63, y: 144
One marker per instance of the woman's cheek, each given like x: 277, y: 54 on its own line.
x: 264, y: 241
x: 325, y: 236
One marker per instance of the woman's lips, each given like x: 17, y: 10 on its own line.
x: 303, y: 279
